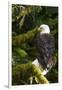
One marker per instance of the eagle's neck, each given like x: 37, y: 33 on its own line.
x: 44, y: 32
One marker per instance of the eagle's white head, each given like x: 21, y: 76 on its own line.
x: 44, y: 29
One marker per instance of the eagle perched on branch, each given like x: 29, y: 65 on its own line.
x: 45, y: 45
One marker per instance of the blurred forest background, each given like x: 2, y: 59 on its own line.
x: 25, y: 21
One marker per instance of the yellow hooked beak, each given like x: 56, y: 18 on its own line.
x: 40, y: 29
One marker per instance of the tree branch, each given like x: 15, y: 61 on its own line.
x: 24, y: 71
x: 22, y: 38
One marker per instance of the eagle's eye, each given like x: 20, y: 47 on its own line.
x: 41, y: 28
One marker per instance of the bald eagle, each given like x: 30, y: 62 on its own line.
x: 45, y: 45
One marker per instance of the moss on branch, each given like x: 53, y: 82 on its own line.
x: 20, y: 39
x: 22, y: 72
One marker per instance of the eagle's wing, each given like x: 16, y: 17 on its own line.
x: 45, y: 45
